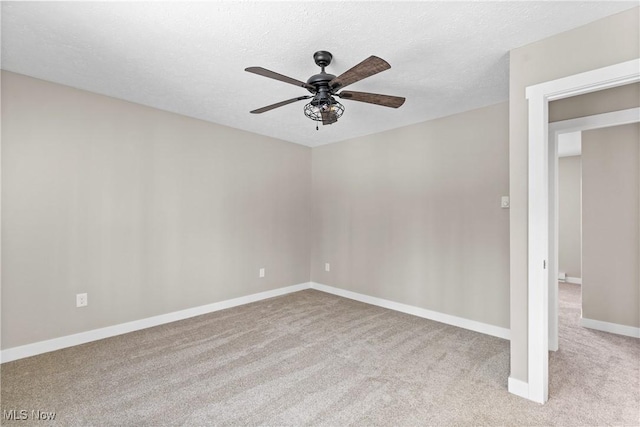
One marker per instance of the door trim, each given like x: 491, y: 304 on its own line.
x: 538, y: 97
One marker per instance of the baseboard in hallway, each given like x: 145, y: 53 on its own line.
x: 614, y: 328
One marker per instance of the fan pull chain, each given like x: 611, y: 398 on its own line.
x: 317, y: 126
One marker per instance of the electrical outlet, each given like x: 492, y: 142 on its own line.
x: 82, y: 300
x: 327, y: 266
x: 261, y: 273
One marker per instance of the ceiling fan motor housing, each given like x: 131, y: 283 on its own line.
x: 321, y: 80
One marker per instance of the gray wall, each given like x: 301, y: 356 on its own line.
x: 99, y: 194
x: 598, y: 44
x: 570, y: 216
x: 570, y: 240
x: 589, y: 104
x: 611, y: 225
x: 147, y: 211
x: 413, y: 215
x: 151, y: 212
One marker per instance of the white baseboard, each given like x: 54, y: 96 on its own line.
x: 40, y: 347
x: 460, y: 322
x: 574, y: 280
x: 28, y: 350
x: 518, y: 387
x: 613, y: 328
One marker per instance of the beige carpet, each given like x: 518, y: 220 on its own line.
x: 311, y: 358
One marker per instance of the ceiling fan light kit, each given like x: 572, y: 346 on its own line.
x: 323, y: 106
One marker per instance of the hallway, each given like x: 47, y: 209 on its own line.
x: 591, y: 363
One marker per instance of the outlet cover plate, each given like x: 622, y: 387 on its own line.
x: 82, y: 300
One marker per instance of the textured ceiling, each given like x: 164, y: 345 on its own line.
x: 189, y: 57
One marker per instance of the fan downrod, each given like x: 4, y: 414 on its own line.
x: 321, y: 81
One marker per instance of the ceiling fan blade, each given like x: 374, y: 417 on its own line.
x: 328, y: 117
x: 279, y: 104
x: 370, y: 66
x: 373, y: 98
x: 273, y: 75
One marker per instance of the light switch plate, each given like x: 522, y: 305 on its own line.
x: 504, y: 204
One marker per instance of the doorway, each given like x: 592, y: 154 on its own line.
x: 540, y: 237
x: 558, y: 130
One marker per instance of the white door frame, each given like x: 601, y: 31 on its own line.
x: 539, y: 97
x: 598, y: 121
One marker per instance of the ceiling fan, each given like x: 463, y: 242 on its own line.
x: 324, y: 86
